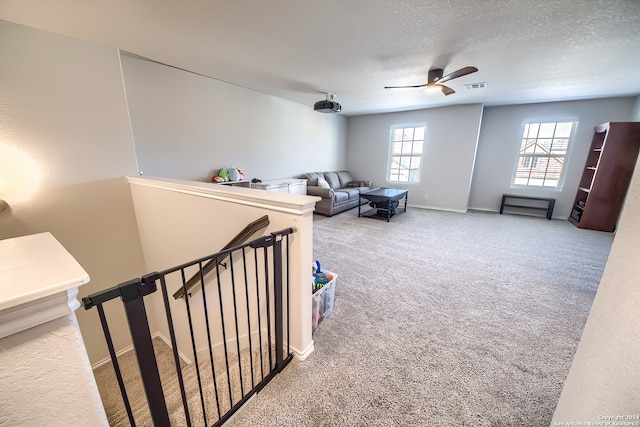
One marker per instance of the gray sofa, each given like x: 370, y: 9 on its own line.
x: 339, y: 191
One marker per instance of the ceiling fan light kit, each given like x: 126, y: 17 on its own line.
x: 435, y: 80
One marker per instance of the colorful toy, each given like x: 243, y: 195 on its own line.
x: 320, y: 278
x: 233, y: 174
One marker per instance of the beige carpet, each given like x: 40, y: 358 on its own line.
x: 441, y: 319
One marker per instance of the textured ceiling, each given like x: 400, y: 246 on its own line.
x: 526, y: 51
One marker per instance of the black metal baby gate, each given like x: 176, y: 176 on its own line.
x: 247, y: 314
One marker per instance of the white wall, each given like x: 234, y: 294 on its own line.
x: 45, y: 378
x: 188, y: 126
x: 65, y: 143
x: 500, y: 143
x: 448, y: 159
x: 604, y: 379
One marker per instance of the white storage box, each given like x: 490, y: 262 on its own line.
x: 322, y: 301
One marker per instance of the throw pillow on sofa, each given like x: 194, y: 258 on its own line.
x: 323, y: 183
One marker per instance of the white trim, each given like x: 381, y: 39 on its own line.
x: 36, y: 266
x: 28, y: 315
x: 203, y: 353
x: 182, y: 356
x: 437, y: 208
x: 301, y: 355
x: 108, y: 359
x: 130, y: 347
x: 390, y: 154
x: 282, y: 202
x: 232, y: 345
x: 565, y: 157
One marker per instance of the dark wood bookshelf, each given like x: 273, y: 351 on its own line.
x: 606, y: 176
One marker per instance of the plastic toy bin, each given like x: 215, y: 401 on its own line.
x: 322, y: 302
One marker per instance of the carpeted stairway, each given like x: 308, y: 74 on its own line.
x: 115, y: 409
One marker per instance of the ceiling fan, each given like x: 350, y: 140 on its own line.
x: 435, y: 80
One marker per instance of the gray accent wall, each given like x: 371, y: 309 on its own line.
x: 500, y: 136
x: 470, y: 151
x: 448, y: 159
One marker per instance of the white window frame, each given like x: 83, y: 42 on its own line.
x: 415, y: 173
x: 540, y: 158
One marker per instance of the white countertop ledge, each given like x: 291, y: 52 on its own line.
x: 36, y: 267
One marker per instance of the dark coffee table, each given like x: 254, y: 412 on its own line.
x: 385, y: 202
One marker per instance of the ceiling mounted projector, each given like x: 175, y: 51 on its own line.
x: 328, y: 105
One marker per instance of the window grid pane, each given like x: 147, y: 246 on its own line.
x: 405, y: 160
x: 542, y: 152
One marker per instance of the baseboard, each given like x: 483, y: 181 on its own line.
x: 218, y: 349
x: 108, y: 359
x: 435, y: 208
x: 203, y: 353
x: 181, y: 355
x: 484, y: 210
x: 130, y: 347
x: 301, y: 355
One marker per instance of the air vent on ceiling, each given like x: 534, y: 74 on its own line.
x: 480, y: 85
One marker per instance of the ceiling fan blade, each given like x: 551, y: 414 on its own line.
x: 402, y: 87
x: 459, y: 73
x: 446, y: 89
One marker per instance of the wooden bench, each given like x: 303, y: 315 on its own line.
x: 520, y: 202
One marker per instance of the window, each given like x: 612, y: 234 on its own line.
x: 543, y: 150
x: 405, y: 153
x: 526, y: 161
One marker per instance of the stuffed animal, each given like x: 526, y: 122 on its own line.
x: 233, y: 174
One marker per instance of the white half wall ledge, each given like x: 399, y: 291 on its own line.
x: 24, y: 316
x: 281, y: 202
x: 39, y: 282
x: 45, y: 376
